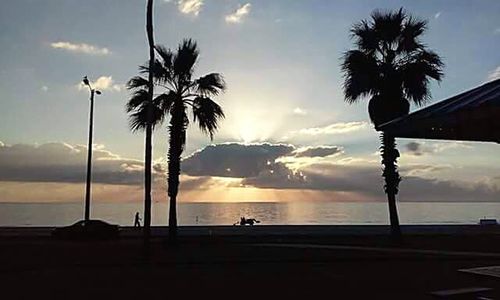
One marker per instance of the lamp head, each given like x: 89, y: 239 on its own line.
x: 86, y: 81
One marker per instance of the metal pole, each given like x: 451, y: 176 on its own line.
x: 89, y: 157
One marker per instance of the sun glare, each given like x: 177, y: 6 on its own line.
x: 253, y: 127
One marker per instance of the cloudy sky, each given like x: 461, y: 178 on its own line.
x: 288, y: 135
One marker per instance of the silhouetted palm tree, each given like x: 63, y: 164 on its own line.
x: 173, y: 72
x: 393, y: 67
x: 148, y: 157
x: 144, y: 116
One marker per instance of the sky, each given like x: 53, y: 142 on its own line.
x: 288, y: 134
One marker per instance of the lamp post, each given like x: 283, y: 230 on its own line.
x: 89, y: 149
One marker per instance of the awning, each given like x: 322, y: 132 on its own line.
x: 473, y: 115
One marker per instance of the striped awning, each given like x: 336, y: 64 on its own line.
x: 473, y: 115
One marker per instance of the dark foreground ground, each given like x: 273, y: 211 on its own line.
x: 333, y: 265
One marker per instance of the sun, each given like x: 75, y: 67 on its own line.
x: 253, y: 128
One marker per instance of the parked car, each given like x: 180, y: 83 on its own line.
x: 488, y: 222
x: 91, y: 229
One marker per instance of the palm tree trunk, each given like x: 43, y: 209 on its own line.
x: 176, y: 146
x: 390, y: 155
x: 149, y: 129
x: 147, y: 185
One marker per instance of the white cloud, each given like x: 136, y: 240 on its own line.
x: 190, y: 6
x: 495, y: 74
x: 102, y: 83
x: 335, y: 128
x: 80, y: 48
x: 497, y: 31
x: 239, y: 14
x: 44, y: 88
x: 437, y: 15
x: 299, y: 111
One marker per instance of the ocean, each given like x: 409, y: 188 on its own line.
x: 46, y: 214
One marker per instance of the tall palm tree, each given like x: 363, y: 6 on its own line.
x: 141, y: 110
x: 393, y: 67
x: 173, y: 73
x: 149, y: 127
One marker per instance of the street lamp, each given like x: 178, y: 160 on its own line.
x: 89, y: 149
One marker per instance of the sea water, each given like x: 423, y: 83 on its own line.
x: 46, y: 214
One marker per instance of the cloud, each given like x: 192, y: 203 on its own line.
x: 103, y: 83
x: 320, y: 151
x: 190, y: 7
x: 422, y: 170
x: 286, y: 167
x: 234, y: 160
x: 240, y: 13
x: 335, y: 128
x: 437, y: 15
x: 250, y: 160
x: 495, y: 74
x: 299, y: 111
x: 415, y: 148
x: 366, y: 181
x: 80, y: 48
x: 61, y: 162
x: 44, y: 88
x: 61, y: 168
x: 422, y: 148
x: 497, y: 31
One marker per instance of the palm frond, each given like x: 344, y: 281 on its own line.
x: 137, y: 82
x: 164, y: 71
x: 416, y: 74
x: 211, y: 84
x: 208, y: 114
x: 137, y: 108
x: 365, y: 37
x: 166, y: 56
x: 361, y: 75
x: 433, y: 64
x: 185, y: 59
x: 138, y: 118
x: 409, y: 41
x: 138, y: 98
x: 165, y: 102
x: 157, y: 69
x: 388, y: 24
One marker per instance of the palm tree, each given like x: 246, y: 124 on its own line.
x: 144, y: 116
x: 173, y: 73
x: 148, y: 157
x: 393, y: 67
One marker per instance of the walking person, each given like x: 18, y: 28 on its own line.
x: 137, y: 220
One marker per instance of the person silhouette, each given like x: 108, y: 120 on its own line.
x: 137, y: 220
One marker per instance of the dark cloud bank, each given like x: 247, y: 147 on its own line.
x: 258, y: 165
x: 59, y: 162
